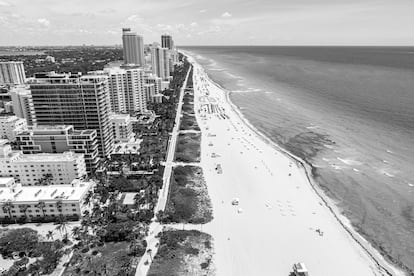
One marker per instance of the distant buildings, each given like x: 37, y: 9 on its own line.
x: 133, y: 46
x: 81, y: 101
x: 12, y: 72
x: 22, y: 102
x: 122, y: 127
x: 34, y: 203
x: 160, y: 61
x: 59, y: 139
x: 167, y: 42
x: 32, y: 169
x: 10, y: 126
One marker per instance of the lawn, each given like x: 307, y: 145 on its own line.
x: 188, y: 200
x: 183, y: 252
x: 188, y: 147
x: 189, y: 122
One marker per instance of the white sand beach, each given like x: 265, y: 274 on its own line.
x: 280, y: 219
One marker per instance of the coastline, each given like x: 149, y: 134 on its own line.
x: 306, y: 170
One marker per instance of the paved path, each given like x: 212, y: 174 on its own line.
x: 155, y: 227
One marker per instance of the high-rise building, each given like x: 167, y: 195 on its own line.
x: 167, y: 42
x: 160, y: 61
x: 61, y: 138
x: 22, y: 101
x: 133, y: 47
x: 126, y: 90
x: 12, y: 72
x: 81, y: 101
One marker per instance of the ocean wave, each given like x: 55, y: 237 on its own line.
x: 349, y: 161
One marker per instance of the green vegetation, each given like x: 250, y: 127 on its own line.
x: 188, y: 147
x: 69, y: 59
x: 25, y: 243
x: 183, y: 253
x: 104, y: 259
x: 188, y: 200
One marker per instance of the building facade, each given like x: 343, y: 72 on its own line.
x: 34, y: 203
x: 122, y: 127
x: 160, y: 61
x: 12, y: 72
x: 10, y: 126
x: 167, y: 42
x: 126, y: 89
x: 133, y: 47
x: 33, y: 169
x: 59, y: 139
x: 22, y: 101
x: 81, y: 101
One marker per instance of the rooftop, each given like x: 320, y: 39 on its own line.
x: 71, y: 192
x: 49, y: 157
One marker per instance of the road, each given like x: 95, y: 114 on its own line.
x: 155, y: 227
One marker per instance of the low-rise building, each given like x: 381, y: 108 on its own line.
x: 35, y: 169
x: 61, y: 138
x: 10, y: 126
x: 36, y: 203
x: 121, y: 127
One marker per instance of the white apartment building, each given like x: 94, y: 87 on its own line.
x: 10, y: 126
x: 36, y: 202
x: 122, y: 127
x: 31, y: 169
x: 22, y: 101
x: 160, y: 60
x: 126, y: 89
x: 12, y: 72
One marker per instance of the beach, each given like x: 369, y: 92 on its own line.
x: 282, y: 217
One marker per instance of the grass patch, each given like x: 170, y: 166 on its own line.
x: 183, y: 252
x: 188, y: 200
x: 109, y: 259
x: 188, y: 147
x: 189, y: 122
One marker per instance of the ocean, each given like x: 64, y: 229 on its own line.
x: 348, y: 112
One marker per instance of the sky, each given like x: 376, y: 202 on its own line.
x: 208, y: 22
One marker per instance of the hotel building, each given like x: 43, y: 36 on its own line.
x: 61, y: 138
x: 160, y: 61
x: 10, y: 126
x: 22, y: 101
x: 122, y: 127
x: 81, y: 101
x: 133, y: 47
x: 12, y: 72
x: 33, y: 203
x: 30, y: 169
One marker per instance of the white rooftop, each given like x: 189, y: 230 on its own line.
x: 53, y: 193
x: 49, y: 157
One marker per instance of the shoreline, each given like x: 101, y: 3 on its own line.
x: 306, y: 169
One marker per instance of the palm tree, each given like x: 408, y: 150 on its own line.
x: 49, y: 235
x: 149, y: 251
x: 41, y: 205
x: 61, y: 224
x: 7, y: 208
x: 76, y: 232
x: 23, y: 208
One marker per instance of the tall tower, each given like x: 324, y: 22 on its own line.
x: 167, y: 42
x: 133, y: 46
x: 160, y: 61
x: 12, y: 72
x: 126, y: 89
x: 81, y: 101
